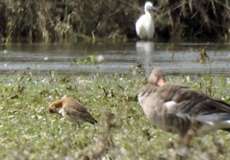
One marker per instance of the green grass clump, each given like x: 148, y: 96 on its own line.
x: 28, y: 131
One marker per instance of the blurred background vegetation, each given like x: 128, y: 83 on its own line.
x: 74, y: 20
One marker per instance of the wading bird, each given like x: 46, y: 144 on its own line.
x: 71, y: 109
x: 181, y: 110
x: 145, y: 27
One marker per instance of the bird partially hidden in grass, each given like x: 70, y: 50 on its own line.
x: 71, y: 109
x: 179, y: 109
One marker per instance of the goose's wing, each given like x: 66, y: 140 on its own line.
x: 202, y: 117
x: 171, y: 92
x: 185, y: 100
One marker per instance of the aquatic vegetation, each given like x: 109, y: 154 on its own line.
x: 91, y: 59
x: 28, y: 131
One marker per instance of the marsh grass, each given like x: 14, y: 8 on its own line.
x: 76, y: 20
x: 28, y: 131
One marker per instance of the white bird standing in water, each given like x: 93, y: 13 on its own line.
x: 145, y: 27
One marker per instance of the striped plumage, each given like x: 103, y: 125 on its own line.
x: 71, y: 109
x: 181, y: 110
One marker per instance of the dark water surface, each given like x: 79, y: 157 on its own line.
x: 110, y: 58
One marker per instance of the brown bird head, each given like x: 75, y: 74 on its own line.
x: 55, y: 107
x: 157, y: 77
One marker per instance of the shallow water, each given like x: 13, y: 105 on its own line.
x: 121, y: 58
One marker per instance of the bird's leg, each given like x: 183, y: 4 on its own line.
x: 184, y: 143
x: 187, y: 138
x: 76, y: 125
x: 191, y: 132
x: 182, y: 151
x: 219, y: 143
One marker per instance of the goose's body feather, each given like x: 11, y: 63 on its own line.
x: 178, y: 109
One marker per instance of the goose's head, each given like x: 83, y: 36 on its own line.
x: 149, y: 7
x: 157, y: 77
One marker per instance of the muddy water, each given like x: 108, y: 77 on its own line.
x: 88, y: 58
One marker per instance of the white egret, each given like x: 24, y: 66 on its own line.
x: 145, y: 27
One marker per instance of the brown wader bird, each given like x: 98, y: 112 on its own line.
x: 71, y: 109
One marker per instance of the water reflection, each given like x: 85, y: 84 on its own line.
x: 182, y: 60
x: 173, y: 58
x: 145, y: 51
